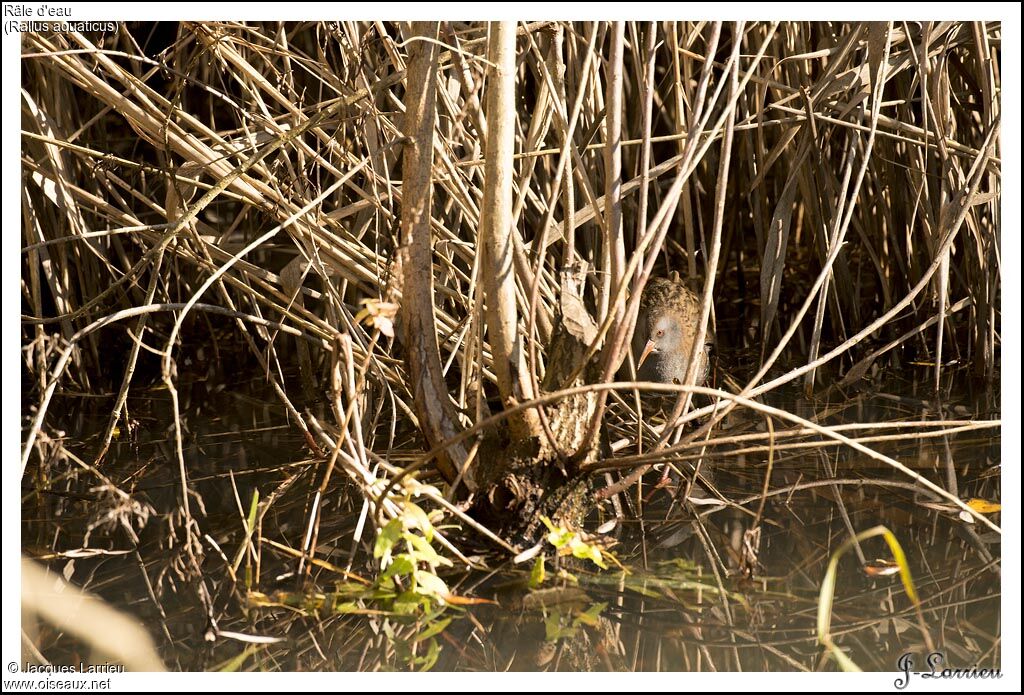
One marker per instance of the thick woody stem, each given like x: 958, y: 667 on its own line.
x: 496, y: 230
x: 435, y: 410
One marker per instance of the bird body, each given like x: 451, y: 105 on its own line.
x: 665, y: 333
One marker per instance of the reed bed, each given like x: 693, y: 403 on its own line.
x: 324, y: 203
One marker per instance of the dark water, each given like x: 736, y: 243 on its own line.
x: 687, y: 596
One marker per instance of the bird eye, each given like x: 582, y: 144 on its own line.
x: 659, y: 334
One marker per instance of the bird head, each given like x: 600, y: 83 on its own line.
x: 665, y: 335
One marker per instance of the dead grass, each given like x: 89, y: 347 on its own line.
x: 832, y: 189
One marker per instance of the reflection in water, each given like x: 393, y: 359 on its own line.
x: 725, y: 579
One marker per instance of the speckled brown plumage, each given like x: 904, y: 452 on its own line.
x: 668, y: 306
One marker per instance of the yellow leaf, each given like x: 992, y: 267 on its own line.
x: 983, y: 506
x: 378, y: 314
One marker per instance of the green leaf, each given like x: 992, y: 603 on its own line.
x: 553, y: 629
x: 347, y: 607
x: 585, y: 551
x: 387, y: 538
x: 250, y: 522
x: 428, y: 660
x: 408, y: 603
x: 434, y: 628
x: 426, y: 553
x: 415, y: 517
x: 591, y: 615
x: 401, y: 565
x: 430, y: 584
x: 538, y: 573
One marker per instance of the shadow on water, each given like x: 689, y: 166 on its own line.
x: 693, y: 584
